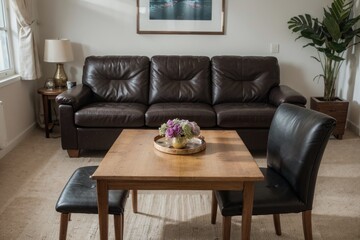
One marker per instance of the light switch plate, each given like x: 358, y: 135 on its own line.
x: 274, y: 48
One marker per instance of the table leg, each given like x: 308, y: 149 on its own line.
x: 49, y: 110
x: 248, y: 197
x: 102, y: 194
x: 46, y: 115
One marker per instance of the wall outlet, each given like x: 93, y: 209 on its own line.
x: 274, y: 48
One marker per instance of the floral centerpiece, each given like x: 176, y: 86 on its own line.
x: 179, y: 131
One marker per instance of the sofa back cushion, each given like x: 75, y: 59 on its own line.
x: 180, y: 79
x: 118, y: 78
x: 238, y: 79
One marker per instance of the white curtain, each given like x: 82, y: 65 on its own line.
x: 28, y: 52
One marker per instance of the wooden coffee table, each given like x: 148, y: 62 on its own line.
x: 133, y: 163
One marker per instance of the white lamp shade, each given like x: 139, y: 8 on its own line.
x: 58, y: 51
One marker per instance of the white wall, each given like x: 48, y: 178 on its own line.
x: 18, y: 99
x: 108, y: 27
x: 349, y: 81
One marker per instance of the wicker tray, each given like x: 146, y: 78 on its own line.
x: 194, y: 145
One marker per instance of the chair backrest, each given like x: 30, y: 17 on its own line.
x: 297, y: 140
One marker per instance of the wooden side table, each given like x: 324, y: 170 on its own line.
x: 47, y: 96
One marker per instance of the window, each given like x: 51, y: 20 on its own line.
x: 6, y: 66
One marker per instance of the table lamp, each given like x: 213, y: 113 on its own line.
x: 58, y: 51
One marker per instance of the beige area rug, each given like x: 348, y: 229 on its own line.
x: 34, y: 173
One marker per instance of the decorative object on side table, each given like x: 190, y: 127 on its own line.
x: 70, y: 84
x: 49, y: 84
x: 179, y: 136
x: 331, y: 38
x: 58, y: 51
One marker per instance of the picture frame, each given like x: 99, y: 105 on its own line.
x: 180, y: 17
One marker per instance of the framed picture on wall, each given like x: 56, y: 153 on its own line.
x: 180, y: 16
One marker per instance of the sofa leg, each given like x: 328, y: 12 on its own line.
x: 73, y: 153
x: 277, y: 224
x: 214, y: 204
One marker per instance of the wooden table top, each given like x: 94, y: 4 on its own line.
x: 133, y: 157
x: 51, y: 92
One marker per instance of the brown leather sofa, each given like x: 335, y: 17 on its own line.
x: 224, y: 92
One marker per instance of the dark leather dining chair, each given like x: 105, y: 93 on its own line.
x: 80, y: 196
x: 296, y: 144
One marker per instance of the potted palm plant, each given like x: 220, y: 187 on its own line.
x: 331, y: 37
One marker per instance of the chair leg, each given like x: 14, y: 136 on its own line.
x: 64, y: 219
x: 306, y: 219
x: 277, y: 224
x: 122, y: 226
x: 226, y: 228
x: 119, y: 226
x: 214, y: 204
x: 134, y: 201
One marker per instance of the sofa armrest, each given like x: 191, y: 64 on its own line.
x: 284, y: 94
x: 76, y: 96
x: 69, y: 138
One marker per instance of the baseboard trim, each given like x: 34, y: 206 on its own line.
x: 352, y: 127
x: 12, y: 144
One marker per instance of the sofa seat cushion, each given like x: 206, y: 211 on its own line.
x: 244, y: 115
x: 109, y: 114
x: 203, y: 114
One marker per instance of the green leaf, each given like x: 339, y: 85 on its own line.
x: 316, y: 59
x: 307, y: 34
x: 321, y: 49
x: 327, y: 14
x: 332, y: 27
x: 309, y: 44
x: 338, y: 47
x: 307, y: 26
x: 303, y: 20
x: 298, y: 37
x: 309, y: 20
x: 296, y: 29
x: 318, y: 42
x: 334, y: 34
x: 318, y: 77
x: 350, y: 23
x: 334, y: 57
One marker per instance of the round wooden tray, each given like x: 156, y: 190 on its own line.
x: 194, y: 145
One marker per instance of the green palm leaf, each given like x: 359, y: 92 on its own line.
x: 308, y: 27
x: 331, y: 37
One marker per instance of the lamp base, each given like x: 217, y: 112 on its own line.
x: 60, y: 77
